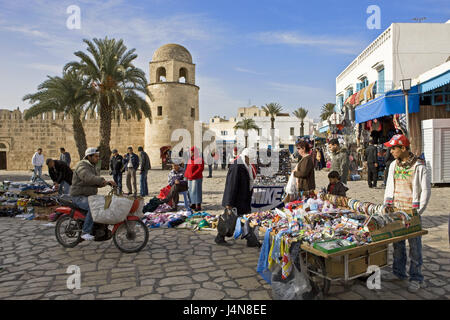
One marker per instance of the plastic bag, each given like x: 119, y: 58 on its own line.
x: 293, y: 287
x: 291, y: 186
x: 117, y: 211
x: 227, y: 223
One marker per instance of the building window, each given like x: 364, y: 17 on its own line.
x: 242, y: 114
x: 255, y: 114
x: 193, y: 113
x: 161, y: 74
x: 292, y: 131
x: 183, y: 75
x: 159, y: 111
x: 224, y: 133
x: 437, y: 97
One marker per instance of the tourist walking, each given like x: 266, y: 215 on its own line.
x: 65, y: 156
x: 371, y: 161
x: 210, y: 162
x: 304, y: 171
x: 339, y: 159
x: 116, y: 166
x: 238, y: 191
x: 131, y: 164
x: 144, y: 166
x: 194, y: 175
x: 61, y: 175
x: 408, y: 188
x: 37, y: 162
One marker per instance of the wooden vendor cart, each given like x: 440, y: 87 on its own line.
x: 349, y: 264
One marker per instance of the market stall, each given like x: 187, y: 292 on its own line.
x: 335, y: 238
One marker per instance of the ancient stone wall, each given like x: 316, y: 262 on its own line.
x: 53, y: 130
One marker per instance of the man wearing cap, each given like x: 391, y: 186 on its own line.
x: 408, y: 188
x: 116, y: 165
x: 131, y: 164
x: 61, y: 175
x: 85, y: 182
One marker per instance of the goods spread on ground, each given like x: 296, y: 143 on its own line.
x: 26, y: 200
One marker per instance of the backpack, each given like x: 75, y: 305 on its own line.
x: 227, y: 223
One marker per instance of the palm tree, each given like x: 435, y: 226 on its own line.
x: 301, y: 113
x: 246, y: 125
x: 68, y: 94
x: 327, y: 111
x: 273, y: 109
x: 117, y: 82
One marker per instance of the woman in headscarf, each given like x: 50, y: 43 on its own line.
x: 239, y: 188
x: 194, y: 175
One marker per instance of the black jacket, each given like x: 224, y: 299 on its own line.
x: 144, y: 161
x: 370, y: 155
x: 116, y: 164
x: 338, y: 190
x: 237, y: 192
x: 61, y: 172
x: 134, y: 161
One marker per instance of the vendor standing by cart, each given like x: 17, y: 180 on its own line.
x: 304, y: 171
x: 407, y: 188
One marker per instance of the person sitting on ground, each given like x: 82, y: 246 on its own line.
x: 61, y: 175
x: 177, y: 183
x: 336, y: 187
x: 85, y: 182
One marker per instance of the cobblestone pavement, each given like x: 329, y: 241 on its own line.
x: 181, y: 264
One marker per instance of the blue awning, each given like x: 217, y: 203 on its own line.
x: 436, y: 82
x: 324, y: 129
x: 390, y: 103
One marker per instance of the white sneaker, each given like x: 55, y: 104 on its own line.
x: 414, y: 286
x: 87, y: 237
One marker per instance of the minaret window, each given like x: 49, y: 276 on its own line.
x: 183, y: 75
x: 159, y: 110
x: 161, y: 74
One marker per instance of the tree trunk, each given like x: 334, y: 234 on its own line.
x: 105, y: 134
x: 302, y: 129
x: 79, y: 135
x: 246, y: 138
x: 272, y: 131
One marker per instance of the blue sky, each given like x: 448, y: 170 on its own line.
x: 287, y: 51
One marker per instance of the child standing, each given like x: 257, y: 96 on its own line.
x: 336, y: 187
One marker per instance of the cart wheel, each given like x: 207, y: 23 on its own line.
x: 319, y: 283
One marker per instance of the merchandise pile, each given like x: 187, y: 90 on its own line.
x: 324, y: 222
x: 261, y: 180
x: 26, y: 200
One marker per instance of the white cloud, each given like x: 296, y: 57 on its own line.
x: 46, y: 67
x: 248, y: 71
x: 295, y: 39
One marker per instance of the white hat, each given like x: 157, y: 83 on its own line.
x: 90, y: 152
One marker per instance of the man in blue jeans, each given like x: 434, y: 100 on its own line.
x: 85, y: 182
x: 408, y: 188
x: 144, y: 166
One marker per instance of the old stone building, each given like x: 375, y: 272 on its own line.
x: 175, y: 105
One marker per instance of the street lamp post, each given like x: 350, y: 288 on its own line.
x: 406, y: 86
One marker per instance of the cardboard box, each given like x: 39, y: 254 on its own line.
x: 397, y: 229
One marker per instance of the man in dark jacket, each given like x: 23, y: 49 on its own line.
x: 371, y: 159
x: 65, y: 156
x: 238, y: 191
x: 144, y: 166
x: 116, y: 165
x: 131, y: 164
x: 61, y: 175
x: 339, y: 159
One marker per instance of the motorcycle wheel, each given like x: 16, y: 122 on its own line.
x: 68, y: 231
x: 133, y: 241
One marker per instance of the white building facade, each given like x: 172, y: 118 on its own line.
x: 402, y: 51
x: 287, y: 129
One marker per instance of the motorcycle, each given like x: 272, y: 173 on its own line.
x: 129, y: 236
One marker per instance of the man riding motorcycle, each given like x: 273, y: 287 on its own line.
x: 85, y: 182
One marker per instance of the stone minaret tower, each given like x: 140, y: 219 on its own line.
x: 175, y: 98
